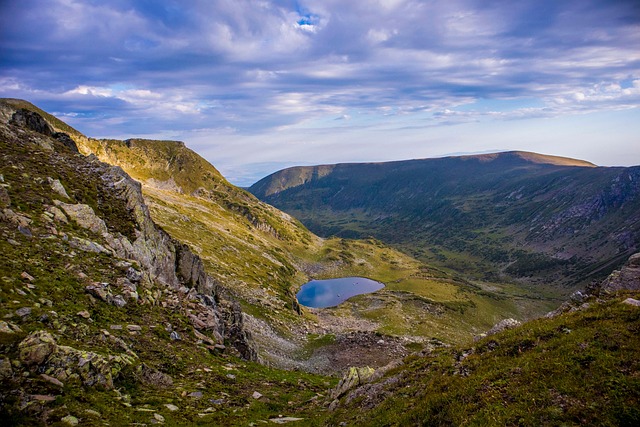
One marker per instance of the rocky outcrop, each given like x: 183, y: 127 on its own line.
x: 35, y: 122
x: 39, y: 352
x: 354, y: 377
x: 123, y: 227
x: 627, y: 278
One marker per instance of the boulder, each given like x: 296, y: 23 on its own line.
x: 354, y: 377
x: 503, y: 325
x: 84, y: 216
x: 36, y: 348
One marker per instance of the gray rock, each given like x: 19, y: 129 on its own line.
x: 354, y: 377
x: 27, y: 276
x: 175, y: 336
x: 154, y: 378
x: 631, y: 301
x: 24, y: 311
x: 36, y: 348
x: 134, y: 275
x: 627, y: 278
x: 171, y: 407
x: 52, y: 380
x: 84, y: 216
x: 66, y: 141
x: 284, y: 420
x: 5, y: 200
x: 57, y: 186
x: 503, y: 325
x: 87, y: 245
x: 256, y: 395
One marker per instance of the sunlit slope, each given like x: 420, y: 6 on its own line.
x: 261, y: 256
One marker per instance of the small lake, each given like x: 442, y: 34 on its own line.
x: 331, y: 292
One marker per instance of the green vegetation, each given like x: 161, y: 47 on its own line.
x: 540, y: 221
x: 143, y: 361
x: 577, y: 369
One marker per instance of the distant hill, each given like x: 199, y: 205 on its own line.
x: 508, y: 215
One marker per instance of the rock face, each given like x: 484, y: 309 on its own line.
x: 130, y: 234
x: 627, y: 278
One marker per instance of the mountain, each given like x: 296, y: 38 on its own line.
x: 169, y: 300
x: 504, y: 216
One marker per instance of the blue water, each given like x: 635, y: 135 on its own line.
x: 327, y: 293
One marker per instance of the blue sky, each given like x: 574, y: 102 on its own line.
x: 257, y: 85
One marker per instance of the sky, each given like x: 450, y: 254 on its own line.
x: 258, y: 85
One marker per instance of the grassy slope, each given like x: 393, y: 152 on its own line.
x: 580, y: 368
x: 57, y: 294
x: 577, y: 369
x: 262, y: 255
x: 493, y: 217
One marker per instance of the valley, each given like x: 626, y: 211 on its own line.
x: 140, y: 286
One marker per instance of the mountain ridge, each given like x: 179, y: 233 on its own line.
x: 299, y: 175
x: 109, y: 318
x: 475, y: 205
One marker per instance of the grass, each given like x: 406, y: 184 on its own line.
x: 579, y: 369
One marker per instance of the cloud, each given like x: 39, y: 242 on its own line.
x: 266, y: 68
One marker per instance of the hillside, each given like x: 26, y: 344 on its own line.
x: 260, y: 256
x: 507, y: 216
x: 110, y: 319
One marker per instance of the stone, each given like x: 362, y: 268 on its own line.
x: 52, y: 380
x: 503, y: 325
x: 84, y: 314
x: 134, y: 275
x: 57, y: 186
x: 31, y: 120
x: 24, y: 311
x: 256, y: 395
x: 5, y: 200
x: 86, y: 245
x: 175, y: 336
x: 84, y: 216
x: 284, y: 420
x: 158, y: 417
x: 6, y: 371
x: 171, y: 407
x: 43, y: 397
x: 631, y: 301
x: 36, y: 348
x: 134, y: 328
x: 196, y: 394
x: 98, y: 290
x: 66, y: 140
x: 27, y: 276
x: 153, y: 377
x: 70, y: 420
x: 354, y: 377
x: 5, y: 328
x: 92, y: 413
